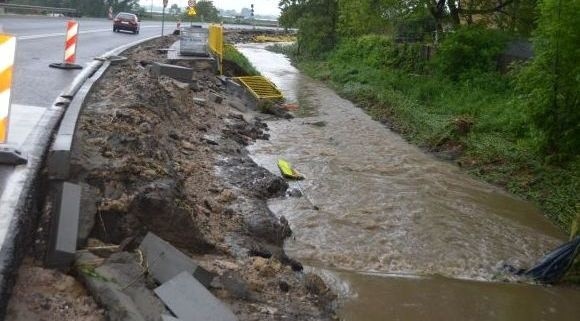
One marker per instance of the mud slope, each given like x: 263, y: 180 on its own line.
x: 150, y: 157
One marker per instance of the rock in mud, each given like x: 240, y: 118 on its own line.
x: 294, y: 192
x: 235, y: 285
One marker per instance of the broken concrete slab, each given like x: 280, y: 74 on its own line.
x: 118, y: 284
x: 66, y: 200
x: 189, y: 300
x: 183, y: 74
x: 165, y: 261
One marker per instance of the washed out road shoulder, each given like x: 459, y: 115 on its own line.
x: 150, y: 157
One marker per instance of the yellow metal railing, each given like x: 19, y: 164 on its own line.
x: 216, y: 43
x: 261, y: 87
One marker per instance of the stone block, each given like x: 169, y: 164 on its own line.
x: 165, y: 261
x: 58, y: 160
x: 118, y: 285
x: 64, y: 225
x: 183, y: 74
x: 189, y: 300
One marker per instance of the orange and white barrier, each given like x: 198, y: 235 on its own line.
x: 70, y: 47
x: 7, y: 50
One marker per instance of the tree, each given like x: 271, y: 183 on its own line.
x: 462, y: 12
x: 316, y: 21
x: 175, y: 9
x: 206, y: 11
x: 551, y: 83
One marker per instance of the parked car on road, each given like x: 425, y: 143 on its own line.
x: 126, y: 21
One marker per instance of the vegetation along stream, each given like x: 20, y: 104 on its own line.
x: 400, y: 234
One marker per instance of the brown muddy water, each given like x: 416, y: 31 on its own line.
x: 399, y: 234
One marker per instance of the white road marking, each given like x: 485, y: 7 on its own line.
x: 61, y: 34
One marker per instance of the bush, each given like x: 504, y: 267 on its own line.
x: 470, y: 50
x: 377, y: 51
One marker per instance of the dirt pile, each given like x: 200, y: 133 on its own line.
x: 155, y: 154
x: 259, y: 35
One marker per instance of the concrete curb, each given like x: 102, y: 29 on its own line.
x: 21, y: 201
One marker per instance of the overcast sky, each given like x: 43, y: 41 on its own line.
x: 261, y: 7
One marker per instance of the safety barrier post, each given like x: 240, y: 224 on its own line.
x: 70, y: 47
x: 216, y: 43
x: 7, y: 53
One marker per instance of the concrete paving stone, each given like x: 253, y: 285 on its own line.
x: 118, y: 285
x: 64, y: 225
x: 189, y: 300
x: 165, y: 261
x: 58, y: 160
x: 183, y: 74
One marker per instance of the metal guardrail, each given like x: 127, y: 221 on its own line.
x: 261, y: 87
x: 38, y: 8
x: 216, y: 43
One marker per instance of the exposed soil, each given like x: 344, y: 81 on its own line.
x: 154, y: 154
x: 259, y: 35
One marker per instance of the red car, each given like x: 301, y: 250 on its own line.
x: 126, y: 21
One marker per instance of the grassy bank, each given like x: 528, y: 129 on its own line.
x: 472, y: 118
x: 231, y: 54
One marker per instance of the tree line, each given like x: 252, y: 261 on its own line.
x: 548, y: 85
x: 91, y: 8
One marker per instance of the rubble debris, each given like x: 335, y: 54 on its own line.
x: 159, y: 163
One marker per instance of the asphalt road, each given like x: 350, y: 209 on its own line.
x: 40, y: 41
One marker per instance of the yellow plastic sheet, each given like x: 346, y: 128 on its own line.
x: 287, y: 170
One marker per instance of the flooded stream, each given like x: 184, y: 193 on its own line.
x: 402, y: 235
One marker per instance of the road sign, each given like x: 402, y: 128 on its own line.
x: 191, y: 11
x: 191, y: 3
x: 165, y: 3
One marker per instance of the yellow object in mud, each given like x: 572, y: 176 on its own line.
x: 287, y: 170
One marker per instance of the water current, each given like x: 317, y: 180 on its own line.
x: 400, y: 234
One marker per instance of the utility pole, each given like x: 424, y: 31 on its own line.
x: 252, y: 15
x: 163, y: 16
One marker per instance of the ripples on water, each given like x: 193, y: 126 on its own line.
x: 388, y: 208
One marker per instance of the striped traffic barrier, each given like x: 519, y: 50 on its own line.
x: 70, y: 47
x: 177, y: 30
x: 7, y: 52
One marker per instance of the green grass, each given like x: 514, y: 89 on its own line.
x: 477, y: 115
x: 233, y: 55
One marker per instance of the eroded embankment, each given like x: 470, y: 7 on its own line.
x: 156, y: 155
